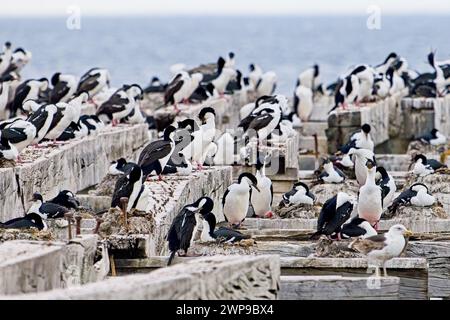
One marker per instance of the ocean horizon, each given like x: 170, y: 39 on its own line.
x: 136, y: 48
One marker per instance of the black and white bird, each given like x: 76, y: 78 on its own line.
x: 303, y: 102
x: 19, y: 59
x: 424, y: 166
x: 28, y: 90
x: 416, y: 195
x: 6, y: 83
x: 129, y: 186
x: 178, y: 164
x: 5, y: 57
x: 120, y: 166
x: 370, y: 204
x: 440, y: 80
x: 382, y: 248
x: 308, y: 78
x: 221, y: 234
x: 236, y: 200
x: 91, y: 124
x: 66, y: 199
x: 178, y: 90
x: 64, y: 87
x: 335, y: 212
x: 434, y: 138
x: 346, y: 92
x: 255, y: 74
x: 230, y: 60
x: 384, y: 66
x: 357, y: 228
x: 154, y: 156
x: 74, y: 131
x: 184, y: 226
x: 197, y: 150
x: 64, y: 116
x: 7, y: 150
x: 47, y: 210
x: 360, y: 139
x: 31, y: 220
x: 263, y: 121
x: 19, y: 133
x: 299, y: 194
x: 119, y: 105
x: 266, y: 84
x: 155, y: 86
x: 388, y: 187
x: 330, y: 173
x: 93, y: 81
x: 262, y: 198
x: 42, y: 119
x: 366, y: 77
x: 360, y: 158
x: 221, y: 82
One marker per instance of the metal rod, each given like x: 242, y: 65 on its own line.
x: 124, y: 202
x: 69, y: 217
x: 97, y: 227
x: 78, y: 224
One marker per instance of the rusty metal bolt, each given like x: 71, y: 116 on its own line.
x: 124, y: 202
x: 69, y: 217
x: 78, y: 224
x: 97, y: 227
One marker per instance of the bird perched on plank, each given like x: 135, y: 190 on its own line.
x: 236, y: 200
x: 357, y: 228
x: 128, y: 186
x: 388, y: 187
x: 434, y: 138
x: 382, y: 248
x: 66, y: 199
x: 155, y: 155
x: 47, y: 210
x: 261, y: 199
x: 334, y: 213
x: 184, y: 226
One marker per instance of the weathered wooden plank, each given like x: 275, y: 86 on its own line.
x: 339, y: 288
x: 219, y: 277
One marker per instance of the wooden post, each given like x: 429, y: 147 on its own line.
x: 124, y: 202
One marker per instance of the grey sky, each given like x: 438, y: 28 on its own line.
x: 218, y: 7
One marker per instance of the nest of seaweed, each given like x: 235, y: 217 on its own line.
x: 335, y: 249
x: 243, y: 247
x: 416, y: 147
x: 411, y: 212
x: 438, y: 182
x: 302, y: 211
x: 323, y: 192
x: 138, y: 222
x: 106, y: 186
x: 5, y: 163
x: 31, y: 234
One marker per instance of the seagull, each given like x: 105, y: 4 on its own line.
x: 382, y: 248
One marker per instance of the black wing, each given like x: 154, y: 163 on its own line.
x: 38, y: 118
x: 224, y: 234
x: 261, y: 121
x: 14, y: 135
x: 435, y: 164
x: 346, y: 148
x: 59, y: 91
x: 153, y: 152
x: 88, y: 81
x: 122, y: 189
x: 22, y: 92
x: 53, y: 210
x: 224, y: 197
x: 326, y: 214
x: 172, y: 88
x: 115, y: 103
